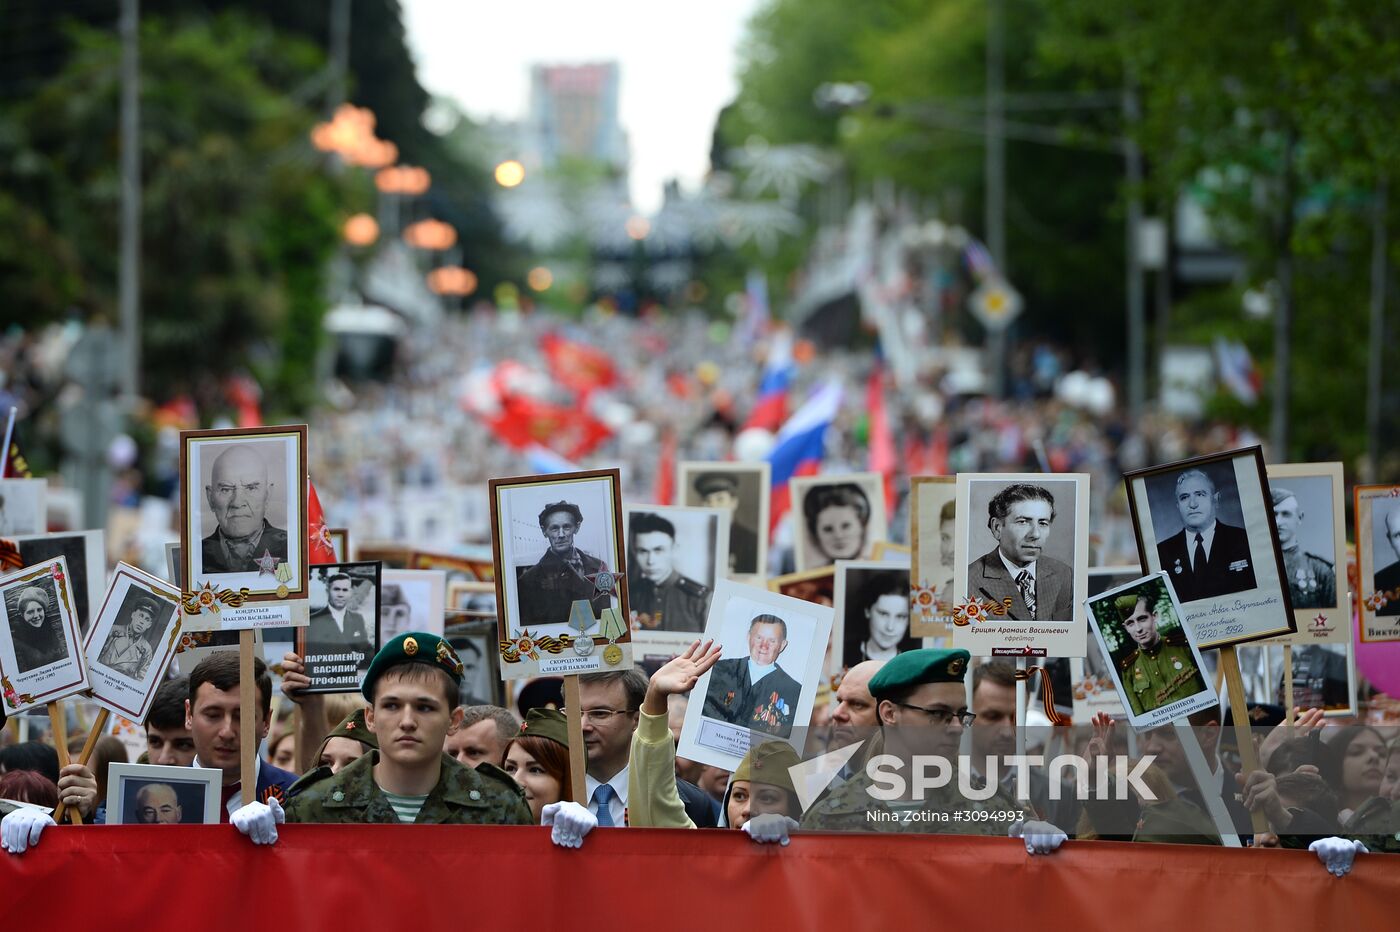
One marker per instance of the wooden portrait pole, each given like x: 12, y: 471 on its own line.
x: 1288, y: 710
x: 578, y: 756
x: 58, y: 725
x: 1244, y: 737
x: 96, y: 732
x: 247, y: 717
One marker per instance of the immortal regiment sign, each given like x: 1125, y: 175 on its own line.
x: 743, y: 490
x: 342, y: 636
x: 773, y: 647
x: 1378, y: 561
x: 675, y: 557
x: 872, y: 612
x: 933, y: 535
x: 132, y: 641
x: 41, y: 646
x: 1021, y: 563
x: 1310, y: 517
x: 243, y: 537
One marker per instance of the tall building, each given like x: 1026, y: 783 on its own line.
x: 574, y: 113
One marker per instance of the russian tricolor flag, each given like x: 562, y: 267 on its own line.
x: 770, y: 407
x: 800, y: 445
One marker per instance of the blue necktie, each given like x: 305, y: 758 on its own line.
x: 603, y: 797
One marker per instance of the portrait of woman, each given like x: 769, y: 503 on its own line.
x: 837, y: 518
x: 34, y: 628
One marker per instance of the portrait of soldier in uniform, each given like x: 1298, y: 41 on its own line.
x: 721, y: 490
x: 1312, y: 580
x: 1156, y: 668
x: 564, y: 574
x: 238, y: 493
x: 132, y: 643
x: 661, y: 597
x: 755, y: 692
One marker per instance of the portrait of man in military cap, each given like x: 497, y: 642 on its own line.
x: 136, y: 638
x: 135, y: 635
x: 673, y: 558
x: 741, y: 489
x: 1151, y: 654
x: 1302, y: 514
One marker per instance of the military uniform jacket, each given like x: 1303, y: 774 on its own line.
x: 1158, y: 677
x: 1312, y: 581
x: 549, y: 589
x: 943, y: 811
x: 213, y: 560
x: 1228, y: 565
x: 677, y: 603
x: 770, y: 705
x: 485, y: 796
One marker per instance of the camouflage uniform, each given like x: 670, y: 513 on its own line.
x: 850, y: 808
x: 485, y: 796
x: 1312, y: 581
x: 1162, y: 675
x: 1376, y: 824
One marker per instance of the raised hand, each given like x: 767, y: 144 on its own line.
x: 679, y: 675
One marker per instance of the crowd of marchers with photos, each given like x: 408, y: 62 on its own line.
x: 1068, y: 627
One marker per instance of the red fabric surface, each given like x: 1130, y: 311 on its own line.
x: 430, y: 877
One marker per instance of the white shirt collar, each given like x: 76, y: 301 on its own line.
x: 1015, y: 570
x: 1207, y: 538
x: 618, y: 805
x: 757, y: 673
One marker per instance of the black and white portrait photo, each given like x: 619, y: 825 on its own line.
x: 22, y: 507
x: 872, y: 600
x: 343, y: 634
x: 412, y: 600
x: 1310, y: 516
x: 245, y: 510
x: 742, y: 490
x: 1385, y: 547
x: 147, y: 794
x: 766, y: 680
x: 933, y: 533
x: 838, y: 517
x: 85, y: 555
x: 674, y: 556
x: 1208, y: 523
x: 41, y: 649
x: 561, y: 572
x: 132, y: 641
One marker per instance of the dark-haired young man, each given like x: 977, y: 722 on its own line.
x: 168, y: 739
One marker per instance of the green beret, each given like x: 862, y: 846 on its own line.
x: 413, y: 647
x: 1126, y: 605
x: 916, y: 667
x: 1280, y: 495
x: 546, y: 723
x: 768, y: 763
x: 711, y: 482
x: 353, y: 728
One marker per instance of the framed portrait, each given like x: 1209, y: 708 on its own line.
x: 933, y: 534
x: 837, y: 518
x: 743, y: 490
x: 1377, y: 510
x: 1021, y: 564
x: 871, y: 620
x: 392, y: 556
x: 342, y: 634
x: 470, y: 600
x: 888, y: 552
x: 455, y: 568
x: 147, y: 794
x: 412, y: 600
x: 561, y: 574
x: 1090, y: 681
x: 1152, y: 654
x: 1208, y: 523
x: 1324, y: 677
x: 243, y: 527
x: 85, y: 554
x: 1310, y: 515
x: 675, y: 556
x: 780, y: 640
x: 23, y: 507
x: 476, y: 646
x: 340, y: 543
x: 132, y: 641
x: 41, y: 646
x: 194, y: 646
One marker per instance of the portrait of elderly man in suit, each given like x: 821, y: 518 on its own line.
x: 1207, y: 557
x: 1020, y: 518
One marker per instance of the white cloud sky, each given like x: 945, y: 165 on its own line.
x: 677, y: 65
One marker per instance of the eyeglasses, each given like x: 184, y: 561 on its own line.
x: 941, y: 716
x: 600, y: 716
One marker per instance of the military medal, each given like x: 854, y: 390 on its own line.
x: 612, y: 628
x: 581, y: 619
x: 1177, y: 664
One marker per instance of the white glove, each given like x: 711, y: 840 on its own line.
x: 571, y: 822
x: 1040, y: 837
x: 1336, y: 854
x: 21, y: 829
x: 259, y: 821
x: 770, y: 827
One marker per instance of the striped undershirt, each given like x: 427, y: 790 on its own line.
x: 405, y: 807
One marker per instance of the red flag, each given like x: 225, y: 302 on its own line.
x: 577, y: 366
x: 882, y: 453
x: 318, y: 538
x: 245, y: 395
x: 666, y: 469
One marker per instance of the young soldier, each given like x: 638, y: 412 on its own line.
x: 412, y: 688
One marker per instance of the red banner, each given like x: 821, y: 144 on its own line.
x: 428, y: 877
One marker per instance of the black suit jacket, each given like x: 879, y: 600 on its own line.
x: 1229, y: 566
x: 1054, y: 587
x: 324, y: 633
x: 703, y: 810
x: 770, y: 705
